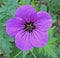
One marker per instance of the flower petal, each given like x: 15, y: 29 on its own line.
x: 27, y: 12
x: 44, y: 21
x: 22, y: 41
x: 38, y: 39
x: 14, y: 25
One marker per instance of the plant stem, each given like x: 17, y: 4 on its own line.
x: 25, y: 53
x: 33, y: 54
x: 17, y: 54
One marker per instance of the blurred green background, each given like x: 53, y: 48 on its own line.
x: 7, y: 45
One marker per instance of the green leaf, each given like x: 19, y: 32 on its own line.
x: 29, y: 56
x: 49, y: 50
x: 9, y: 39
x: 32, y: 3
x: 43, y: 7
x: 2, y: 9
x: 15, y: 51
x: 51, y: 31
x: 54, y: 5
x: 51, y: 34
x: 37, y: 9
x: 54, y: 18
x: 23, y: 2
x: 4, y: 43
x: 1, y: 17
x: 58, y: 51
x: 10, y: 2
x: 27, y: 1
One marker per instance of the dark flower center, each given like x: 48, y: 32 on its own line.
x: 29, y: 26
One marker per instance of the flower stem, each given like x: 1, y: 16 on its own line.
x: 25, y: 54
x: 17, y: 54
x: 33, y: 54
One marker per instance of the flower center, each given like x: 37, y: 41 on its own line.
x: 29, y: 26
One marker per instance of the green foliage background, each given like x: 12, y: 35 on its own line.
x: 7, y: 45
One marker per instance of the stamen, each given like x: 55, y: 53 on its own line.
x: 29, y: 26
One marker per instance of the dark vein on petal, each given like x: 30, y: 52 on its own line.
x: 39, y: 32
x: 43, y: 24
x: 36, y: 36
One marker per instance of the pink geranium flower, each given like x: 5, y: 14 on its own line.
x: 29, y: 27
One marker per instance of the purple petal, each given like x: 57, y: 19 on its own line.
x: 26, y: 12
x: 22, y: 40
x: 38, y: 38
x: 44, y: 21
x: 14, y: 25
